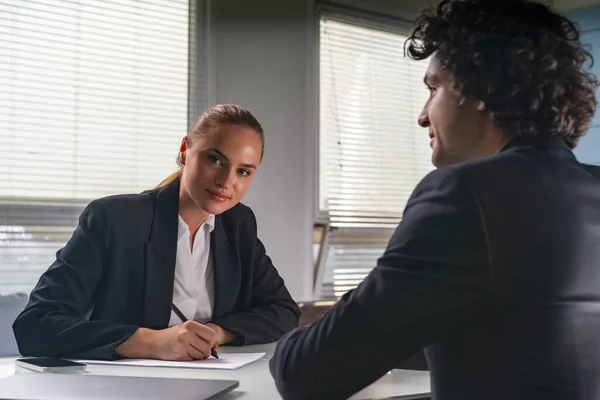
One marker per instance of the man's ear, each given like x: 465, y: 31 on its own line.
x: 479, y: 105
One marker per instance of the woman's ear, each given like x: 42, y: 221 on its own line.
x: 182, y: 150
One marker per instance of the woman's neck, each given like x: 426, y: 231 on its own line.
x: 190, y: 212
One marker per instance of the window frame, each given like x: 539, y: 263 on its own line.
x: 369, y: 20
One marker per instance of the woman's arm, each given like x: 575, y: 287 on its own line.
x: 188, y: 341
x: 273, y: 312
x: 53, y: 322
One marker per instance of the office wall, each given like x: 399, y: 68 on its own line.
x: 589, y: 20
x: 260, y: 54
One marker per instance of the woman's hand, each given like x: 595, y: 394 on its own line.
x: 223, y: 336
x: 188, y: 341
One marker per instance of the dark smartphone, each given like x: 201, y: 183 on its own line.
x: 49, y: 364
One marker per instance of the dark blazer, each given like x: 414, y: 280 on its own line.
x: 120, y: 264
x: 495, y: 268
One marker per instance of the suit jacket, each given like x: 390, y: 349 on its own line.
x: 116, y: 274
x: 495, y: 268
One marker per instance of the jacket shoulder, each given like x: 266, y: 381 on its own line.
x: 124, y: 206
x: 463, y: 180
x: 240, y: 216
x: 239, y: 210
x: 478, y: 171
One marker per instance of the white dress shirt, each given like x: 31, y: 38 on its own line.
x: 193, y: 287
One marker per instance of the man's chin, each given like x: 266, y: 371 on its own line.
x: 435, y: 158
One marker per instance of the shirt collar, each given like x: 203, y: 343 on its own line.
x: 210, y: 221
x: 184, y: 229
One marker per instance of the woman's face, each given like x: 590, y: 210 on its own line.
x: 218, y: 167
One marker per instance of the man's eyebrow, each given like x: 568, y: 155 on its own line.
x: 223, y: 156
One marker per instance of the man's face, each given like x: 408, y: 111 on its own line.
x: 457, y: 126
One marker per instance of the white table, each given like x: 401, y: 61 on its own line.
x: 255, y: 380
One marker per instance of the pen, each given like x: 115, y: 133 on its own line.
x: 182, y: 317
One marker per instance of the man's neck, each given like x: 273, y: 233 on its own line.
x: 495, y: 139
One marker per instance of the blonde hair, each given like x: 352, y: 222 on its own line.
x: 220, y: 114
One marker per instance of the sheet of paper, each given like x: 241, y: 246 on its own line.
x: 230, y: 361
x: 6, y: 370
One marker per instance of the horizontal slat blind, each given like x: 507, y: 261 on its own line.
x: 93, y: 102
x: 350, y: 258
x: 372, y: 151
x: 30, y: 234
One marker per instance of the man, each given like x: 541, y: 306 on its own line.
x: 495, y: 267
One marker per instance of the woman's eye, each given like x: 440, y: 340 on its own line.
x: 244, y: 172
x: 214, y: 159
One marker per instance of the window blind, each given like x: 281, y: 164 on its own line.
x: 350, y: 258
x: 372, y: 151
x: 93, y: 102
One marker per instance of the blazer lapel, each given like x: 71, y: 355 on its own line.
x: 161, y: 253
x: 227, y: 270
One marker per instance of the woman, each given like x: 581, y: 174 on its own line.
x: 188, y: 242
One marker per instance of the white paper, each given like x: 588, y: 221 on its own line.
x: 7, y: 370
x: 230, y: 361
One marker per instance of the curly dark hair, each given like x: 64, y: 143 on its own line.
x: 524, y: 61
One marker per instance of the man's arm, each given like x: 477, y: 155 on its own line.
x: 432, y: 277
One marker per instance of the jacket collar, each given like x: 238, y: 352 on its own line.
x: 161, y: 254
x: 523, y: 141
